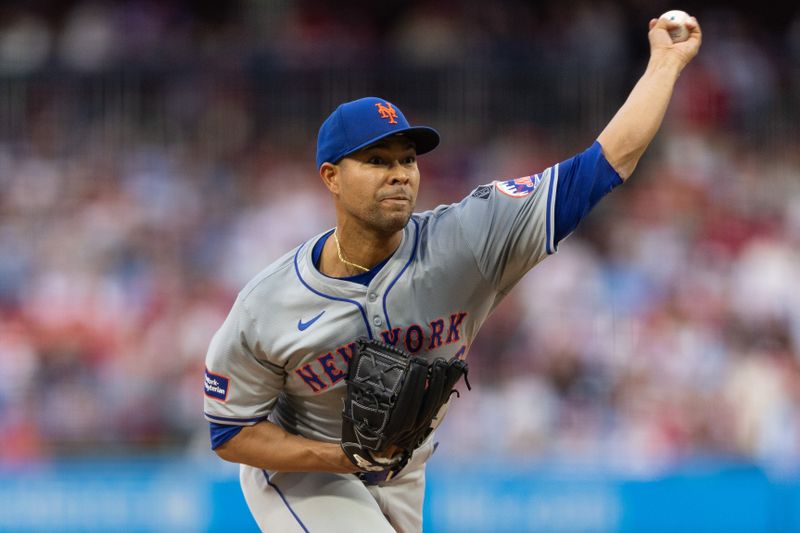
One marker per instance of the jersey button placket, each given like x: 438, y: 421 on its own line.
x: 373, y: 307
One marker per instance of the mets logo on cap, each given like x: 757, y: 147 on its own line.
x: 385, y: 110
x: 520, y: 187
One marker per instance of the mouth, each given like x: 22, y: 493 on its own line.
x: 396, y: 202
x: 396, y: 196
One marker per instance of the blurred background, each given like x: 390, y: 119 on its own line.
x: 155, y: 155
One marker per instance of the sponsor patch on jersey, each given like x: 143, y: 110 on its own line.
x: 217, y: 386
x: 482, y: 192
x: 520, y: 187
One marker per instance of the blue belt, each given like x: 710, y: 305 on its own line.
x: 375, y: 478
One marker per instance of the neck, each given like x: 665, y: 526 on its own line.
x: 357, y: 247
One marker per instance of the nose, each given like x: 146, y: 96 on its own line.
x: 398, y: 173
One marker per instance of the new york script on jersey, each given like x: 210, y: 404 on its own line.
x: 331, y: 367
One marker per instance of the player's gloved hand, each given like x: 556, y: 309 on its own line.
x: 391, y: 402
x: 367, y: 461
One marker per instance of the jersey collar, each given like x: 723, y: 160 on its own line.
x: 347, y: 289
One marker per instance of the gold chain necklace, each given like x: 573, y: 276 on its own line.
x: 342, y: 259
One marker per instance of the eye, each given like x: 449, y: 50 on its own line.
x: 375, y: 160
x: 409, y: 160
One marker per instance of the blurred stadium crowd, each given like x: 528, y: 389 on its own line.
x: 154, y: 156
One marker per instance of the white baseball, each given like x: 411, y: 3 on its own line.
x: 681, y: 33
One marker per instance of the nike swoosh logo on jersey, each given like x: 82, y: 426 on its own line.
x: 302, y: 326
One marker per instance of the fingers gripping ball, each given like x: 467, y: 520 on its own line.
x: 391, y: 403
x: 681, y: 33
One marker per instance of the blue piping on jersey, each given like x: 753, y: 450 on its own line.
x: 410, y: 259
x: 307, y: 286
x: 233, y: 419
x: 274, y: 486
x: 548, y: 230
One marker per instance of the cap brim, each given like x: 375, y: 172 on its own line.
x: 425, y: 139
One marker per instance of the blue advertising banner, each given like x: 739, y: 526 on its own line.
x: 184, y: 495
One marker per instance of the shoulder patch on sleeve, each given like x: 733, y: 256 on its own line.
x: 216, y: 386
x: 482, y: 192
x: 520, y: 187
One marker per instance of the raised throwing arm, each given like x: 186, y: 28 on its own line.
x: 626, y: 137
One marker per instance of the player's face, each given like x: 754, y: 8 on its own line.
x: 378, y: 185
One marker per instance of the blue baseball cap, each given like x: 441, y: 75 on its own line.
x: 357, y: 124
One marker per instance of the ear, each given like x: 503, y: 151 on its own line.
x: 330, y: 176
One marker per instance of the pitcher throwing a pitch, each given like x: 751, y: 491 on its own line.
x: 336, y: 363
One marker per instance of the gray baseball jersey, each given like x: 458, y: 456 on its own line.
x: 283, y: 351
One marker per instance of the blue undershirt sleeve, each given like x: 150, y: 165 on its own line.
x: 582, y: 181
x: 222, y: 433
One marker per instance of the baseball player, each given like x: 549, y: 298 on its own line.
x: 276, y: 369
